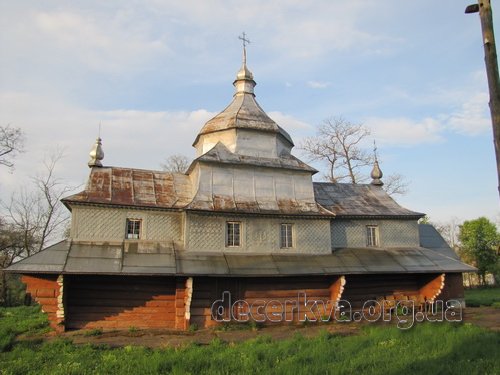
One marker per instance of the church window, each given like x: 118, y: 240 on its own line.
x: 233, y: 232
x: 286, y: 235
x: 133, y: 229
x: 372, y: 239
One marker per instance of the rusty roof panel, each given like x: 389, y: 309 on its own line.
x: 144, y: 187
x: 135, y: 187
x: 122, y: 188
x: 99, y: 185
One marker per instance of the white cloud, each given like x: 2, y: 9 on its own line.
x: 318, y: 84
x: 110, y: 44
x: 288, y: 122
x: 473, y: 116
x: 131, y: 138
x: 404, y: 131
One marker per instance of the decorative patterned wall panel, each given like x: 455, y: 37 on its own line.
x: 393, y: 233
x: 99, y: 224
x: 259, y: 234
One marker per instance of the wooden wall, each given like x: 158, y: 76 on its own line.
x: 257, y: 292
x: 453, y: 287
x: 45, y: 290
x: 361, y: 288
x: 122, y: 302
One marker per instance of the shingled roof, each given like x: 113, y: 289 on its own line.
x: 359, y: 200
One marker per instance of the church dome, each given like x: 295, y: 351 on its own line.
x: 243, y: 113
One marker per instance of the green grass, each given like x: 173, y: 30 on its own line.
x: 486, y: 296
x: 430, y: 348
x: 18, y: 320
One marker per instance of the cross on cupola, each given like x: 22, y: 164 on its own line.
x: 244, y: 82
x: 245, y: 41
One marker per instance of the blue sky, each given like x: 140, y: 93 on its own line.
x: 154, y: 71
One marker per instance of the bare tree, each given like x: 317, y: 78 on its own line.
x: 38, y: 215
x: 176, y: 163
x: 395, y: 184
x: 11, y: 143
x: 449, y: 230
x: 32, y: 219
x: 337, y: 143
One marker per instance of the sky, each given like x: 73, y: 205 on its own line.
x: 153, y: 72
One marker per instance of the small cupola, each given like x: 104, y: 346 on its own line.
x: 243, y: 127
x: 96, y: 154
x: 376, y: 174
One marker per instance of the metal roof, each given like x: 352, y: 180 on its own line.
x: 359, y: 200
x: 134, y: 187
x: 220, y: 154
x: 431, y: 239
x: 76, y: 258
x: 243, y: 112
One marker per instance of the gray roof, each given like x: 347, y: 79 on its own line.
x: 76, y: 258
x: 431, y: 239
x: 359, y: 200
x: 243, y: 113
x: 220, y: 154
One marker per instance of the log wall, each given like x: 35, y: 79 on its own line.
x: 267, y: 299
x: 361, y: 288
x: 45, y: 289
x: 124, y: 301
x: 453, y: 287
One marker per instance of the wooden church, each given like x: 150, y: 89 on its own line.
x: 245, y: 224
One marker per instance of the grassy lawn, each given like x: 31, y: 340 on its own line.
x: 430, y: 348
x: 487, y: 296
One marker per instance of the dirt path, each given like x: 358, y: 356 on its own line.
x: 165, y: 338
x: 486, y: 317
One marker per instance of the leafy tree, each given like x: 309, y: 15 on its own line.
x: 175, y: 164
x: 479, y: 245
x: 338, y: 144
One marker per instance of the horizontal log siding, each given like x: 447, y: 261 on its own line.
x: 120, y: 302
x: 259, y: 291
x: 453, y: 287
x: 45, y: 290
x: 361, y: 288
